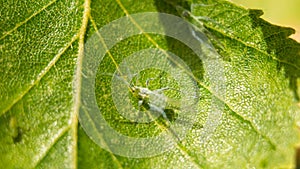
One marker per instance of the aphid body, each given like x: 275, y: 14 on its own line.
x: 155, y: 99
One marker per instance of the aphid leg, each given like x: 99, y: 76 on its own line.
x: 159, y: 110
x: 164, y: 115
x: 140, y: 102
x: 162, y: 112
x: 161, y: 89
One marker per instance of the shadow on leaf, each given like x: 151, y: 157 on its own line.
x: 286, y: 50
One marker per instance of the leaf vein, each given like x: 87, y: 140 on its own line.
x: 206, y: 87
x: 184, y: 153
x: 101, y: 138
x: 60, y: 134
x: 109, y: 53
x: 40, y: 76
x: 26, y: 20
x: 77, y: 82
x: 244, y: 43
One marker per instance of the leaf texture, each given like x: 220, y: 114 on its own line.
x: 41, y: 49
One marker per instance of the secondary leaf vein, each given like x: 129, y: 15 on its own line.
x: 110, y: 55
x: 244, y: 43
x: 26, y: 20
x: 40, y: 76
x: 43, y: 155
x: 186, y: 154
x: 240, y: 117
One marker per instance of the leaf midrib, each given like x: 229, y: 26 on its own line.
x: 73, y: 124
x: 77, y: 82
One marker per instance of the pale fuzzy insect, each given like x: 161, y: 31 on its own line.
x: 154, y: 99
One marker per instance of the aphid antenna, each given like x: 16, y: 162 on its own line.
x: 130, y: 85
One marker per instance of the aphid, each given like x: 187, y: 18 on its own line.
x: 154, y: 101
x: 16, y: 131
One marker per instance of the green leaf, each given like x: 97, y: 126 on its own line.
x: 41, y: 52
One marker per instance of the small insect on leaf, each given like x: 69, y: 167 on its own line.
x: 16, y: 131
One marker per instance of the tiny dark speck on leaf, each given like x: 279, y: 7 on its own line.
x: 185, y: 14
x: 16, y: 131
x: 18, y: 137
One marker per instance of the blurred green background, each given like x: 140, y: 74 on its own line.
x: 283, y: 13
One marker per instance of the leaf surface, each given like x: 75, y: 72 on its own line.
x: 41, y: 48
